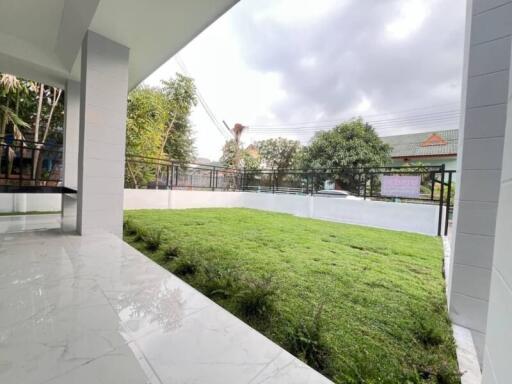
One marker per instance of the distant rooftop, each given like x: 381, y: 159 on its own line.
x: 435, y: 143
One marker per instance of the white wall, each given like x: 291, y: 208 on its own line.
x: 498, y: 342
x: 28, y: 202
x: 418, y: 218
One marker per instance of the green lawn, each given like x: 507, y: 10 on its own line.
x: 362, y: 305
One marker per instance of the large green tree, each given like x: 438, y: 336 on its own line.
x: 350, y: 145
x: 278, y: 154
x: 249, y: 157
x: 31, y: 112
x: 158, y: 126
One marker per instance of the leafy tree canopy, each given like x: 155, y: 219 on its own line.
x: 249, y: 157
x: 158, y: 126
x: 352, y: 144
x: 278, y: 153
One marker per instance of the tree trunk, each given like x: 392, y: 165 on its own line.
x: 36, y: 130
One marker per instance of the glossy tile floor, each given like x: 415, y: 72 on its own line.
x: 92, y: 310
x: 19, y: 223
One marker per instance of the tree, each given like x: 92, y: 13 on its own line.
x: 278, y: 154
x: 145, y: 130
x: 181, y: 97
x: 249, y: 157
x: 158, y: 126
x: 353, y: 144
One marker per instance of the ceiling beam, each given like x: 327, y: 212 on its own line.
x: 77, y: 16
x: 21, y: 58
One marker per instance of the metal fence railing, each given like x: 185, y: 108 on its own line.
x: 28, y: 163
x: 434, y: 184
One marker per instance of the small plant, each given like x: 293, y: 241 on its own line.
x: 428, y: 332
x: 139, y: 234
x: 218, y: 283
x: 185, y: 266
x: 305, y: 341
x: 153, y: 239
x: 172, y: 252
x: 255, y: 300
x: 129, y: 227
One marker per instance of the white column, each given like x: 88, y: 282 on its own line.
x: 485, y: 98
x: 104, y: 89
x: 71, y: 133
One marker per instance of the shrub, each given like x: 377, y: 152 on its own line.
x: 305, y: 341
x: 255, y: 299
x: 153, y: 239
x: 129, y: 227
x: 139, y: 234
x: 428, y: 332
x: 218, y: 283
x: 185, y: 266
x: 172, y: 252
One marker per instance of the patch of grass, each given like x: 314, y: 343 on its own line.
x: 172, y: 252
x: 306, y: 341
x: 255, y: 299
x: 185, y: 266
x: 383, y: 318
x: 129, y: 227
x: 152, y: 238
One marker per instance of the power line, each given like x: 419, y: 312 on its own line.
x: 391, y: 123
x: 227, y: 134
x: 378, y: 115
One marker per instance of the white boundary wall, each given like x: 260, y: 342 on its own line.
x: 28, y: 202
x: 419, y: 218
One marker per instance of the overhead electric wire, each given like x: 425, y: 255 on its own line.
x: 378, y: 115
x: 223, y: 130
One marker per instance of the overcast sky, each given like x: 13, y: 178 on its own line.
x: 291, y: 67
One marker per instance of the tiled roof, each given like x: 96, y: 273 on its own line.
x: 424, y: 144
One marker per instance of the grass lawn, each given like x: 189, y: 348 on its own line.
x: 361, y: 305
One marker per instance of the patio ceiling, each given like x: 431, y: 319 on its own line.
x: 41, y: 39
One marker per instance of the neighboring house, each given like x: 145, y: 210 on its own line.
x: 428, y: 148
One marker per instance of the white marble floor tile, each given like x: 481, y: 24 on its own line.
x: 20, y: 223
x: 94, y: 310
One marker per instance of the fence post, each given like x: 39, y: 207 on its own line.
x: 433, y: 186
x: 167, y: 174
x: 364, y: 191
x: 448, y: 203
x: 441, y: 203
x: 212, y: 179
x: 21, y: 165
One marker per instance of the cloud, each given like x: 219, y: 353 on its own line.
x: 369, y: 56
x: 286, y: 61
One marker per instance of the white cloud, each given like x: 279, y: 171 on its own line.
x: 286, y: 61
x: 412, y: 14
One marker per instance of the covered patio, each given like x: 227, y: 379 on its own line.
x: 91, y: 309
x: 77, y: 304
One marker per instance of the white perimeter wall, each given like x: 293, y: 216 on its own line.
x: 28, y: 202
x: 418, y: 218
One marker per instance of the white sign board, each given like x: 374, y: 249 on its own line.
x: 401, y: 186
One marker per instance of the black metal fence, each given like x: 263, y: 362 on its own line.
x: 435, y: 182
x: 28, y: 163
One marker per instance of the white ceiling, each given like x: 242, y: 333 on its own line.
x: 41, y: 39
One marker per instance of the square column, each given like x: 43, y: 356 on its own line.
x: 70, y: 154
x: 104, y: 89
x: 481, y: 139
x: 71, y: 133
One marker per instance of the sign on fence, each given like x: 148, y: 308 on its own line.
x: 401, y: 186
